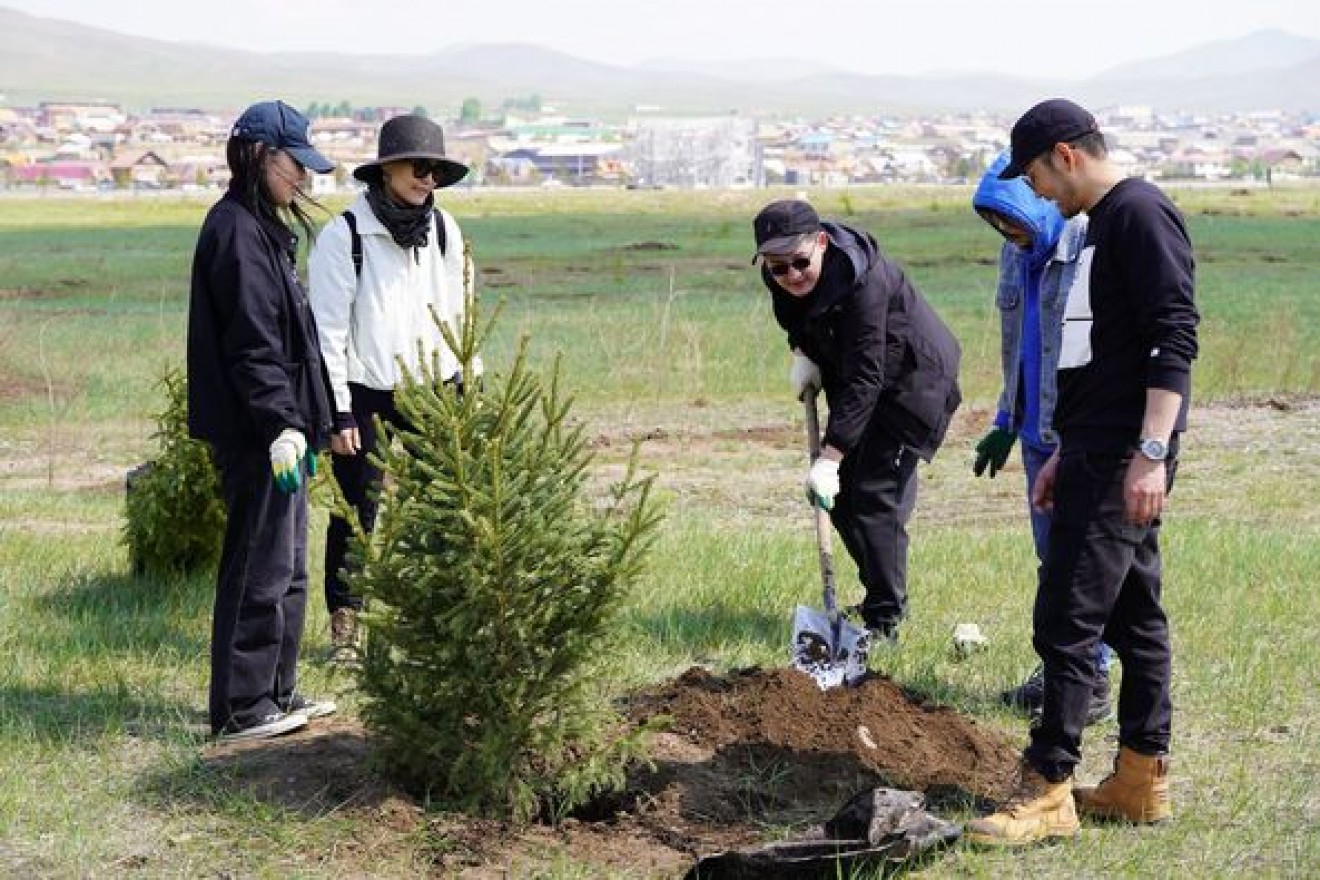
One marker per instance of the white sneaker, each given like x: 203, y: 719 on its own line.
x: 275, y: 724
x: 300, y: 705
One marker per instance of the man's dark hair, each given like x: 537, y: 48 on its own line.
x: 1092, y: 144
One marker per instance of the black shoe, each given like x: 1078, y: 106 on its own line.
x: 1099, y: 709
x: 275, y: 724
x: 884, y: 634
x: 1028, y: 697
x: 300, y: 705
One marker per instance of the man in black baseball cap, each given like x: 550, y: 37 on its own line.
x: 1129, y: 338
x: 1051, y: 122
x: 781, y: 226
x: 859, y: 331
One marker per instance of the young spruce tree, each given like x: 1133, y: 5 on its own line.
x: 492, y: 584
x: 174, y: 517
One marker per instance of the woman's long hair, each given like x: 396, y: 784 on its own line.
x: 247, y: 167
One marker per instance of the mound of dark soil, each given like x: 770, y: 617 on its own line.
x: 873, y: 727
x: 752, y: 750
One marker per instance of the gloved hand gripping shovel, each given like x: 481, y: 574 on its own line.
x: 825, y: 646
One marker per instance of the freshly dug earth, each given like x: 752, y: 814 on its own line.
x: 780, y: 718
x: 751, y: 750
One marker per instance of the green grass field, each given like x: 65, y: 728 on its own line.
x: 666, y: 335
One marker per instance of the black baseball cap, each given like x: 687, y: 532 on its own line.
x: 781, y: 225
x: 1051, y: 122
x: 278, y: 125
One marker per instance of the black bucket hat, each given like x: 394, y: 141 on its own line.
x: 412, y: 137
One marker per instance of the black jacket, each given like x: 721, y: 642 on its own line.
x: 888, y: 363
x: 254, y: 364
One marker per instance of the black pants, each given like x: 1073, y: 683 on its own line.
x: 1101, y: 581
x: 261, y: 592
x: 359, y: 479
x: 877, y: 494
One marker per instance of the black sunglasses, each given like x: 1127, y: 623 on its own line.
x: 798, y: 264
x: 423, y: 168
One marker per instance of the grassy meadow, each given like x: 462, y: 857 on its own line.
x: 666, y: 337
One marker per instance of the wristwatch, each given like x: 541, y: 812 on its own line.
x: 1155, y: 450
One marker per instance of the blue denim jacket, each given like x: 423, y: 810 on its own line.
x: 1056, y: 277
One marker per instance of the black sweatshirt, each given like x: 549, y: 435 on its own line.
x: 1130, y: 323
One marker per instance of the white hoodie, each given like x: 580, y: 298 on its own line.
x: 368, y: 324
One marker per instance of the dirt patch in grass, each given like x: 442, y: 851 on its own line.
x: 13, y: 387
x: 647, y: 246
x: 746, y: 752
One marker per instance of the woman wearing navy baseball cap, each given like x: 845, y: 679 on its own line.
x: 257, y: 393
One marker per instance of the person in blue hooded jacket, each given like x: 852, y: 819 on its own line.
x: 888, y: 365
x: 1036, y: 267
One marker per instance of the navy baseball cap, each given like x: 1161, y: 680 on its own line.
x: 1051, y: 122
x: 278, y: 125
x: 781, y: 225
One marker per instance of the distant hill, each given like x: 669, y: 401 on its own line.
x: 1262, y: 51
x: 47, y: 59
x: 752, y: 70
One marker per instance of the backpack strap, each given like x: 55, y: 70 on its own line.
x: 356, y: 237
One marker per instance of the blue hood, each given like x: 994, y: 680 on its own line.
x: 1016, y: 200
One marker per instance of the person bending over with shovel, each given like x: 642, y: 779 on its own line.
x: 860, y: 332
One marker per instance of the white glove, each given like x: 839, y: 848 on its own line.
x: 286, y: 457
x: 803, y: 374
x: 823, y: 482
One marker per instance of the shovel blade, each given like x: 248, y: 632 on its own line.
x: 832, y: 654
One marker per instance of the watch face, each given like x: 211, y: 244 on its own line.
x: 1156, y: 450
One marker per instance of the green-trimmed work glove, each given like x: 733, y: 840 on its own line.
x: 286, y: 459
x: 993, y: 451
x: 823, y: 482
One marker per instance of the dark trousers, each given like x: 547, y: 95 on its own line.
x: 877, y: 494
x: 261, y: 592
x: 1101, y: 581
x: 359, y: 478
x: 1033, y: 459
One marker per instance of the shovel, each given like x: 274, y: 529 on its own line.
x: 825, y: 646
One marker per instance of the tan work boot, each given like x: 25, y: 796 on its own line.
x: 1137, y: 790
x: 1038, y: 810
x: 344, y: 635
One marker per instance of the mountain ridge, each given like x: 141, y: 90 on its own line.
x: 50, y: 59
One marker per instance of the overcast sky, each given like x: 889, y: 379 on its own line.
x: 1073, y: 40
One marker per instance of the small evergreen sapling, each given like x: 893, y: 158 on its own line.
x: 174, y: 516
x: 492, y: 584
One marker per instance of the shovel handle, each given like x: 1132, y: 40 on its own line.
x: 821, y: 516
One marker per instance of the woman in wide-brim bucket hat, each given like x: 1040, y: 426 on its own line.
x: 381, y: 274
x: 412, y: 137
